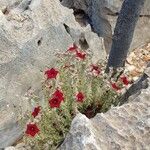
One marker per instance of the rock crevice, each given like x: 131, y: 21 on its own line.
x: 122, y: 127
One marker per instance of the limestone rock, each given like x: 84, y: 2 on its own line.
x: 102, y: 16
x: 124, y: 127
x: 94, y: 13
x: 27, y: 45
x: 20, y: 146
x: 115, y: 5
x: 10, y: 148
x: 8, y: 3
x: 141, y: 35
x: 9, y: 128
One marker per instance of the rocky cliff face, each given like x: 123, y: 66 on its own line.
x: 32, y: 31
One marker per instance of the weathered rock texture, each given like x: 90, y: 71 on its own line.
x: 31, y: 32
x: 125, y: 127
x: 102, y: 15
x: 9, y: 128
x: 114, y: 6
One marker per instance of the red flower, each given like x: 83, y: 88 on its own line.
x: 72, y: 48
x: 114, y: 86
x: 95, y: 69
x: 80, y: 55
x: 54, y: 102
x: 80, y: 97
x: 58, y: 94
x: 36, y: 111
x: 56, y: 99
x: 32, y: 129
x: 51, y: 73
x: 124, y: 80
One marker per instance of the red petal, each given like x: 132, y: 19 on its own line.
x: 114, y: 86
x: 36, y: 111
x: 80, y: 97
x: 80, y: 55
x: 51, y: 73
x: 32, y: 129
x: 96, y: 69
x: 124, y: 80
x: 59, y: 94
x: 54, y: 102
x: 73, y: 48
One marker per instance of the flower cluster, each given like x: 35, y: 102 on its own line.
x: 121, y: 83
x: 74, y: 84
x: 95, y: 70
x: 79, y: 54
x: 32, y: 129
x: 56, y: 99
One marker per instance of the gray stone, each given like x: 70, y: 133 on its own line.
x: 95, y: 10
x: 122, y: 127
x: 8, y: 3
x: 10, y: 148
x: 141, y: 34
x: 20, y: 146
x: 115, y: 6
x: 9, y: 128
x: 102, y: 16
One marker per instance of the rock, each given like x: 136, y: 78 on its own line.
x: 20, y: 146
x: 141, y: 35
x: 10, y: 130
x: 122, y: 127
x: 28, y: 44
x: 95, y: 16
x: 96, y: 44
x: 31, y: 33
x: 146, y: 9
x: 102, y: 16
x: 8, y: 3
x: 10, y: 148
x: 115, y: 6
